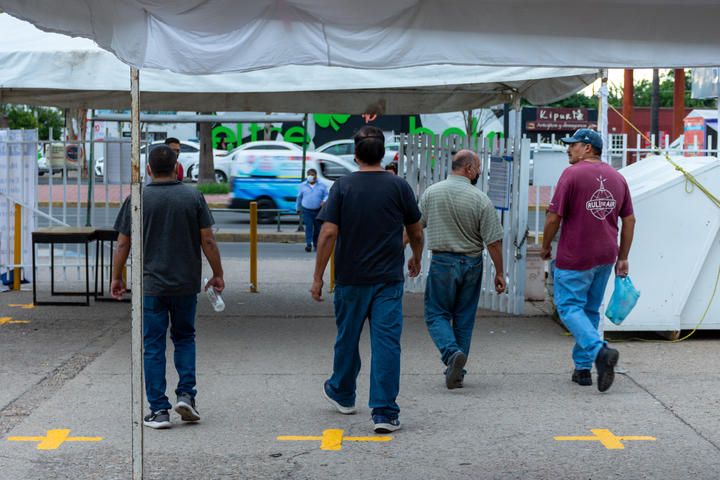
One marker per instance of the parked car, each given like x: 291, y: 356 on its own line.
x: 272, y: 177
x: 189, y: 156
x: 345, y: 149
x: 222, y: 163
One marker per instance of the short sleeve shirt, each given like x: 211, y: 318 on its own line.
x: 459, y: 217
x: 370, y: 210
x: 173, y: 215
x: 590, y: 196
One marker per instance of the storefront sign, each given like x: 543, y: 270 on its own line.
x: 569, y: 119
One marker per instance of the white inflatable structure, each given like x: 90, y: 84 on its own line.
x: 675, y: 254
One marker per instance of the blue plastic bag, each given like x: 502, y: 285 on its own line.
x: 622, y: 301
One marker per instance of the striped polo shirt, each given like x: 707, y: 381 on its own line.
x: 459, y: 217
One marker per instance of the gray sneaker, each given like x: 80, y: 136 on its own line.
x: 186, y: 408
x: 159, y: 419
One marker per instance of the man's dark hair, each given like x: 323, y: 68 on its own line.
x: 392, y: 166
x: 596, y: 151
x: 162, y: 160
x: 170, y: 140
x: 311, y: 170
x: 462, y: 159
x: 369, y: 145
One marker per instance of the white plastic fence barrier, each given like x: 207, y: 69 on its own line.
x: 424, y: 160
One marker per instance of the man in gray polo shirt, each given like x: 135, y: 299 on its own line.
x: 459, y: 219
x: 176, y: 225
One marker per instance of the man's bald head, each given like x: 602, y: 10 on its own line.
x: 463, y: 159
x: 467, y: 164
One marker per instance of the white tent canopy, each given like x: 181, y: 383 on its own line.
x: 217, y: 36
x: 49, y: 69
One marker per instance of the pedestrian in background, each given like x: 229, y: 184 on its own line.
x: 460, y: 219
x: 589, y: 198
x: 174, y: 144
x: 363, y: 219
x: 176, y: 226
x: 311, y: 197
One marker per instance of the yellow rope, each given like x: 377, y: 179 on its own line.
x: 692, y: 182
x: 688, y: 176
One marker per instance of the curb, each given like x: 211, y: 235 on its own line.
x: 261, y: 237
x: 103, y: 204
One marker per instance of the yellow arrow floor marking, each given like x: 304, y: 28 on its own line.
x: 607, y: 438
x: 332, y: 439
x: 22, y: 305
x: 4, y: 320
x: 54, y: 439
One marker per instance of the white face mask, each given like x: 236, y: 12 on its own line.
x: 311, y: 178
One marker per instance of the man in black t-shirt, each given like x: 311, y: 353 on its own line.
x: 363, y: 219
x: 176, y: 225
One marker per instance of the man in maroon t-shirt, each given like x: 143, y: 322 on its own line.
x: 589, y: 198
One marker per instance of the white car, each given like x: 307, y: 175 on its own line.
x: 223, y: 163
x: 345, y: 149
x: 189, y: 156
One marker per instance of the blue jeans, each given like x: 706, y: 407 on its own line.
x: 312, y: 226
x: 578, y: 294
x: 180, y: 311
x: 381, y: 304
x: 451, y: 299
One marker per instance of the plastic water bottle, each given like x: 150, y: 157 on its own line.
x: 215, y: 299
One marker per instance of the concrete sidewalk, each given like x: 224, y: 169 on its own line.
x: 261, y: 364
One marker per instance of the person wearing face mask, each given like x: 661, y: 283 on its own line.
x: 459, y: 219
x: 311, y: 197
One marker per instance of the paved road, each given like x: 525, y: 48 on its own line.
x: 266, y: 251
x: 106, y: 217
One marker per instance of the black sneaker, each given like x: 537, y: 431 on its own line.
x: 308, y: 248
x: 582, y: 377
x: 454, y: 372
x: 186, y: 408
x: 383, y: 424
x: 159, y: 419
x: 605, y: 363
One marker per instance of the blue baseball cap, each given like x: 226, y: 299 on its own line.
x: 585, y: 135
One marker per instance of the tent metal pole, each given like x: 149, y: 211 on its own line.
x: 603, y: 120
x: 136, y: 279
x: 515, y: 305
x: 304, y: 158
x: 91, y: 173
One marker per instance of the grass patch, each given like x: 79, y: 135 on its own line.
x: 214, y: 188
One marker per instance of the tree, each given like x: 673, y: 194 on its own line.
x: 476, y: 120
x: 641, y: 97
x: 206, y: 163
x: 42, y: 118
x: 643, y: 92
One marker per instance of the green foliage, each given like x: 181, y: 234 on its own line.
x: 643, y: 92
x: 21, y: 118
x: 28, y: 117
x: 49, y: 117
x: 214, y: 188
x: 577, y: 100
x: 641, y: 95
